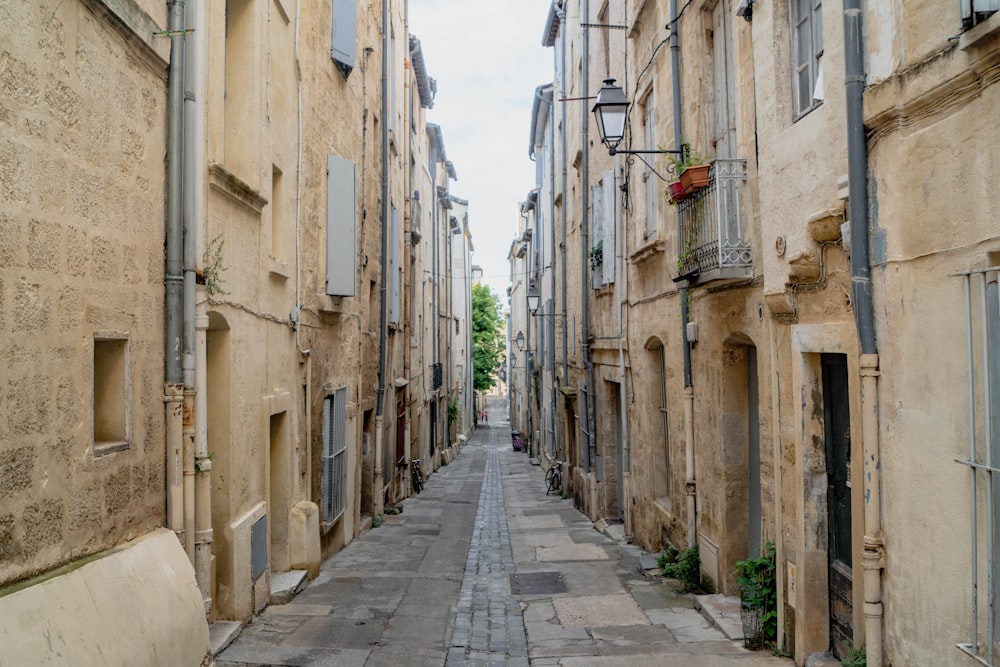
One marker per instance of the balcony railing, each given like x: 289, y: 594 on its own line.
x: 711, y: 243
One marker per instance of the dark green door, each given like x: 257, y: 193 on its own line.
x: 837, y: 416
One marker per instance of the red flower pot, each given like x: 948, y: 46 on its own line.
x: 675, y: 192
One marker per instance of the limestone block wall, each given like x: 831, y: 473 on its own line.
x: 82, y: 131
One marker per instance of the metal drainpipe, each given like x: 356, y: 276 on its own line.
x: 194, y: 224
x: 173, y: 275
x: 378, y: 496
x: 562, y: 132
x: 298, y: 252
x: 554, y: 385
x: 436, y: 307
x: 690, y: 485
x: 449, y: 337
x: 873, y: 553
x: 589, y: 418
x: 622, y: 378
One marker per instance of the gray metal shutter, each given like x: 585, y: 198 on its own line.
x: 343, y: 32
x: 610, y: 204
x: 395, y: 268
x: 340, y: 227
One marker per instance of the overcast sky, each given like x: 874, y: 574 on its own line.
x: 487, y: 58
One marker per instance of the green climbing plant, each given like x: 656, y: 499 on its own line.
x: 212, y: 266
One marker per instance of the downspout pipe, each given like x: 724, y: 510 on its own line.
x: 562, y: 133
x: 195, y: 322
x: 551, y: 350
x: 873, y: 551
x: 622, y: 377
x: 690, y: 484
x: 378, y: 496
x: 173, y: 279
x: 585, y: 249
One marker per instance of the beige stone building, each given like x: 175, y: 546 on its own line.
x: 211, y: 307
x: 83, y: 341
x: 794, y: 361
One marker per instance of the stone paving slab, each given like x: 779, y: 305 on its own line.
x: 723, y: 611
x: 572, y: 552
x: 599, y: 610
x: 686, y: 625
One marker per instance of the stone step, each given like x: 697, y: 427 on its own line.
x: 221, y: 634
x: 286, y: 585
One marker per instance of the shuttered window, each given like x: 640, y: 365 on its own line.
x: 395, y: 268
x: 340, y: 227
x: 344, y: 34
x: 610, y: 227
x: 334, y: 455
x: 807, y: 53
x: 597, y: 248
x: 977, y: 11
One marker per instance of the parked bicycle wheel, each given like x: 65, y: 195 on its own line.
x: 553, y: 479
x: 418, y: 476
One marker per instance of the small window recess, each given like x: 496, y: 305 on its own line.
x: 111, y: 393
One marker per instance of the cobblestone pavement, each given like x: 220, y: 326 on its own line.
x: 489, y: 626
x: 483, y: 568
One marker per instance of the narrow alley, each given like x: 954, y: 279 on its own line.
x: 484, y: 568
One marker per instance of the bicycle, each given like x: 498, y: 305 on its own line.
x: 553, y: 477
x: 418, y: 476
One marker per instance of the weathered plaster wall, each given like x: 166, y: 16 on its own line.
x: 932, y: 219
x: 82, y: 127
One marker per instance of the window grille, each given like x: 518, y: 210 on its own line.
x: 982, y: 309
x: 334, y: 455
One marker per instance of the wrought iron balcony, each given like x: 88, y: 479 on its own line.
x: 711, y: 242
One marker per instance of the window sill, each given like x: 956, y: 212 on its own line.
x: 278, y: 268
x: 974, y: 37
x: 108, y: 447
x: 650, y: 249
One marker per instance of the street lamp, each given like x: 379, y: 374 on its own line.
x: 611, y: 111
x: 520, y: 340
x: 533, y: 298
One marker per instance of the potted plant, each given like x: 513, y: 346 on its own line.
x: 692, y: 172
x: 758, y: 599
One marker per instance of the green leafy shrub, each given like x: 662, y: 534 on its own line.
x: 759, y: 590
x: 686, y: 568
x: 857, y: 658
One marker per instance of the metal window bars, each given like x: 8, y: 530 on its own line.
x: 982, y: 313
x: 710, y: 233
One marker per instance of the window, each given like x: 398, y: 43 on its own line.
x: 277, y: 214
x: 111, y: 394
x: 975, y: 12
x: 649, y: 178
x: 983, y: 315
x: 334, y: 455
x: 661, y: 466
x: 343, y: 34
x: 602, y: 20
x: 807, y: 52
x: 395, y: 268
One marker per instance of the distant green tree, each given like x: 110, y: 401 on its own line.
x: 487, y: 336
